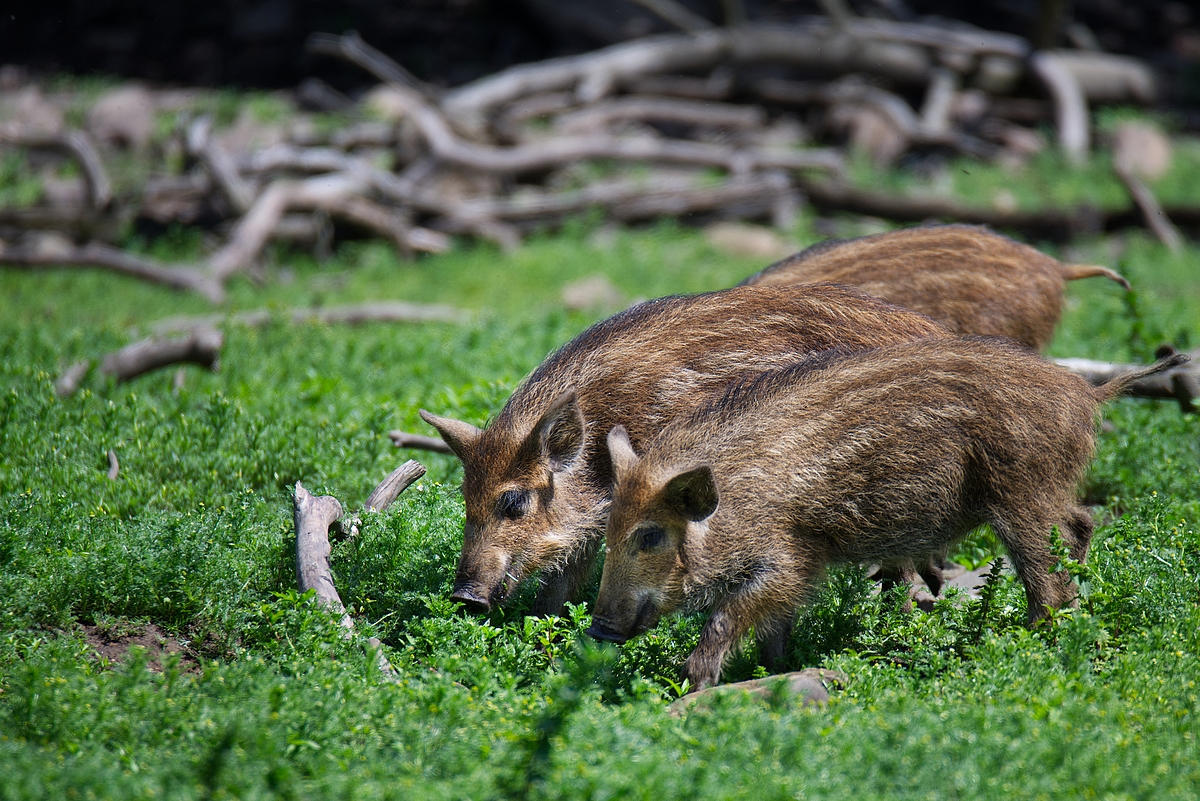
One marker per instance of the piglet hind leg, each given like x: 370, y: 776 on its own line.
x: 772, y: 638
x: 1027, y: 540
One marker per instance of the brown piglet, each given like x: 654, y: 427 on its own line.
x: 537, y: 481
x: 891, y: 454
x: 968, y: 278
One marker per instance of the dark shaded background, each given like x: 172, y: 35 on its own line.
x: 260, y: 43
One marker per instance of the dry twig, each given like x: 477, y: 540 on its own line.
x: 419, y: 442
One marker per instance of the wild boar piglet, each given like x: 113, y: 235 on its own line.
x: 968, y: 278
x: 891, y: 454
x: 537, y: 480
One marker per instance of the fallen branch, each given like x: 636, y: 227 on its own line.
x: 354, y: 314
x: 419, y: 442
x: 313, y: 517
x: 220, y: 165
x: 1070, y: 104
x: 255, y: 227
x: 1180, y: 383
x: 1156, y: 220
x: 79, y: 146
x: 201, y: 346
x: 448, y: 147
x: 57, y: 254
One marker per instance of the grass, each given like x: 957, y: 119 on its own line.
x: 269, y: 700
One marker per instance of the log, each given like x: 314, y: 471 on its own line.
x: 420, y: 442
x: 1070, y: 105
x: 1181, y: 384
x: 76, y: 144
x: 59, y: 254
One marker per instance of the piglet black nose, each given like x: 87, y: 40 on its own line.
x: 597, y: 633
x: 471, y: 600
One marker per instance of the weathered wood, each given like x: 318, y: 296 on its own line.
x: 420, y: 442
x: 202, y: 346
x: 313, y: 518
x: 390, y: 488
x: 219, y: 164
x: 313, y: 515
x: 62, y: 254
x: 76, y: 144
x: 1070, y: 105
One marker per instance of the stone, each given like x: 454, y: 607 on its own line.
x: 1144, y: 148
x: 594, y: 293
x: 808, y: 687
x: 124, y: 117
x: 744, y: 239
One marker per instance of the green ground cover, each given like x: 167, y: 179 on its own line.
x: 268, y: 701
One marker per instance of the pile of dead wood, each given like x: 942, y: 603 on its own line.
x: 709, y: 122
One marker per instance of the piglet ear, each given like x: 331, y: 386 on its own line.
x: 560, y: 432
x: 692, y: 494
x: 620, y: 452
x: 460, y: 436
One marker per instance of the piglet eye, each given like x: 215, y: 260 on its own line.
x: 513, y: 504
x: 650, y: 536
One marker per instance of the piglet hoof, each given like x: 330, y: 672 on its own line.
x: 808, y: 687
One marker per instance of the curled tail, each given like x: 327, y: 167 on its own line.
x: 1118, y: 383
x: 1071, y: 272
